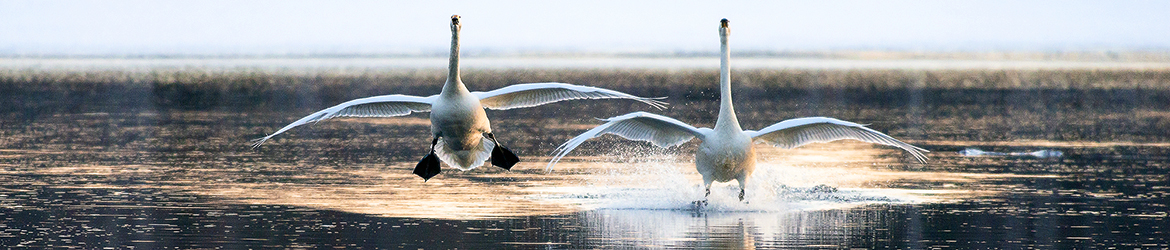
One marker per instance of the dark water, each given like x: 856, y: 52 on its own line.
x: 156, y: 176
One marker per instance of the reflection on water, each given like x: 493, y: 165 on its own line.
x: 181, y: 180
x: 170, y: 178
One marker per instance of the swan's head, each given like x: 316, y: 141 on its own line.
x: 723, y: 29
x: 455, y: 23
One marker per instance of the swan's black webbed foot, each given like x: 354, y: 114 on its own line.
x: 504, y: 158
x: 741, y: 191
x: 429, y: 166
x: 501, y: 156
x: 697, y: 205
x: 700, y: 204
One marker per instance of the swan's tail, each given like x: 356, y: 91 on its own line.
x: 465, y: 159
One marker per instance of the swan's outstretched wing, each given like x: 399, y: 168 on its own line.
x: 376, y: 106
x: 639, y: 126
x: 536, y: 94
x: 800, y: 131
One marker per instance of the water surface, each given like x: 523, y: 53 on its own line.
x: 157, y: 176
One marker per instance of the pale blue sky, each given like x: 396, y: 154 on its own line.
x: 420, y: 27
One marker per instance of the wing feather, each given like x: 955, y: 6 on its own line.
x: 798, y: 132
x: 376, y: 106
x: 659, y: 130
x: 536, y: 94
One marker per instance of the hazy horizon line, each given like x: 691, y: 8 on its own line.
x: 1160, y: 54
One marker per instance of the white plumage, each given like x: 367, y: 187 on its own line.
x: 800, y: 131
x: 377, y: 106
x: 457, y: 117
x: 536, y: 94
x: 659, y: 130
x: 726, y: 151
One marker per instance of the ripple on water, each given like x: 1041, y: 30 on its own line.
x: 182, y: 184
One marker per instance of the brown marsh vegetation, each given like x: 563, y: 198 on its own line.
x: 1105, y: 105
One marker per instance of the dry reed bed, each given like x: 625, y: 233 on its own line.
x: 977, y: 105
x: 196, y: 89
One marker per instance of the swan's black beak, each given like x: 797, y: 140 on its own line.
x: 723, y: 22
x: 455, y: 27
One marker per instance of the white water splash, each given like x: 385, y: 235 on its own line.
x: 652, y: 181
x: 1046, y: 153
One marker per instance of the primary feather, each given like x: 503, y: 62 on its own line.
x: 536, y: 94
x: 376, y: 106
x: 800, y: 131
x: 659, y: 130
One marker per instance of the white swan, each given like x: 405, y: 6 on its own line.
x: 726, y: 152
x: 459, y: 124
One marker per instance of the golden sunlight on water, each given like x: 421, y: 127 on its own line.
x: 621, y: 177
x: 633, y: 181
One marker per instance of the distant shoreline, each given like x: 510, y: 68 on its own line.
x: 557, y: 62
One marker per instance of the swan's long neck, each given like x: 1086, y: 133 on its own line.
x: 454, y: 84
x: 727, y: 118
